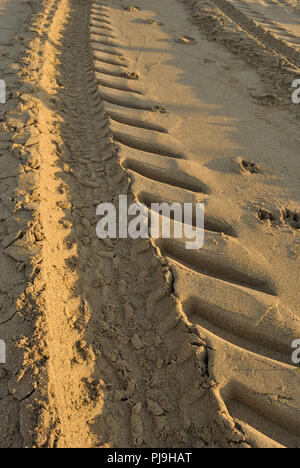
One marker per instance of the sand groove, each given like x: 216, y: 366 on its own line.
x: 221, y: 263
x: 175, y: 178
x: 280, y: 424
x: 212, y: 223
x: 231, y: 328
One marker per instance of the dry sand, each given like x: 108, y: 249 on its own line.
x: 143, y: 343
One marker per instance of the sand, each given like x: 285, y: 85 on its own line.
x: 141, y: 343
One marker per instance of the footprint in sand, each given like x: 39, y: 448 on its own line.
x: 151, y: 21
x: 285, y: 216
x: 250, y: 166
x: 186, y: 40
x: 131, y: 8
x: 291, y: 217
x: 267, y: 99
x: 266, y: 216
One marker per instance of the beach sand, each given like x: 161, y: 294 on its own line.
x: 143, y: 343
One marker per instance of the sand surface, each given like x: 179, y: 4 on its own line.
x: 137, y: 343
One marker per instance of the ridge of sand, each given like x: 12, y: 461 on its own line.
x: 20, y: 249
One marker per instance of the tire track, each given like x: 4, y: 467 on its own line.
x: 275, y: 61
x: 255, y: 27
x: 120, y: 356
x: 228, y: 267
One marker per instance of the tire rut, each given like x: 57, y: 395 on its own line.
x: 228, y: 263
x: 122, y: 357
